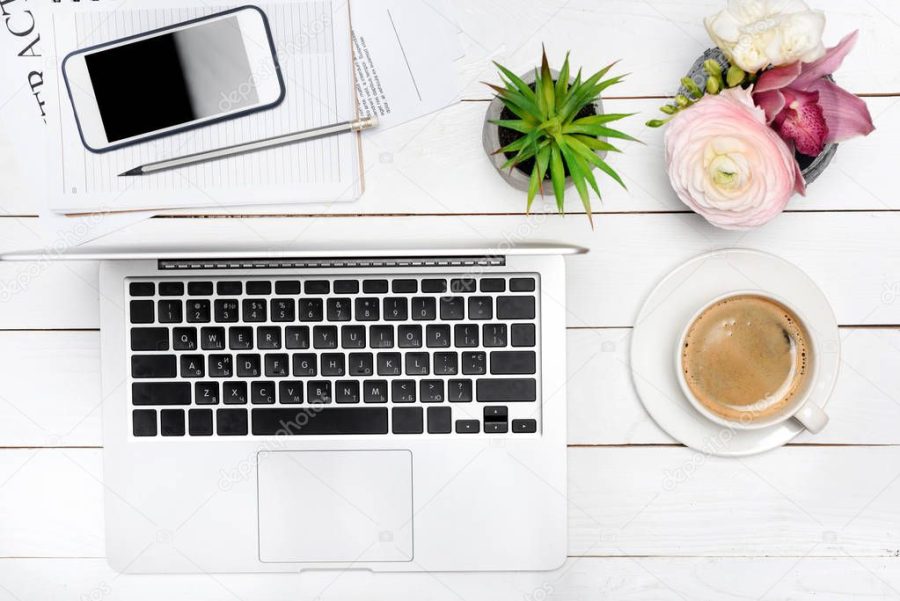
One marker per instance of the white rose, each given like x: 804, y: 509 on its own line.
x: 755, y: 34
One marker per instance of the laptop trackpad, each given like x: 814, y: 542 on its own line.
x: 340, y: 506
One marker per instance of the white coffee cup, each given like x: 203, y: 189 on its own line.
x: 800, y: 408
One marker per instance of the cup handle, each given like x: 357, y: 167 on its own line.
x: 812, y: 417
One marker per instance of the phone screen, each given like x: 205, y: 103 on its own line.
x: 172, y: 79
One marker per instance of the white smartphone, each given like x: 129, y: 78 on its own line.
x: 173, y: 79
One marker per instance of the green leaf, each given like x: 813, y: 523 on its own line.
x: 602, y: 118
x: 594, y: 143
x: 595, y: 160
x: 546, y: 86
x: 517, y: 81
x: 518, y: 125
x: 578, y: 178
x: 537, y: 175
x: 540, y: 99
x: 599, y: 131
x: 558, y: 177
x: 562, y: 83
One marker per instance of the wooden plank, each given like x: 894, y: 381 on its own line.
x: 632, y: 579
x: 664, y: 501
x: 855, y: 258
x: 51, y: 394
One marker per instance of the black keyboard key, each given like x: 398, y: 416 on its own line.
x: 375, y: 391
x: 192, y: 366
x: 439, y: 420
x: 184, y: 339
x: 333, y: 365
x: 304, y: 365
x: 257, y: 287
x: 493, y: 285
x: 160, y: 393
x: 404, y: 286
x: 434, y: 286
x: 282, y: 309
x: 353, y: 337
x: 254, y: 310
x: 206, y: 393
x: 409, y: 336
x: 513, y: 362
x: 248, y: 366
x: 381, y: 336
x: 467, y: 426
x: 171, y: 288
x: 325, y: 421
x: 495, y: 427
x: 346, y: 287
x: 225, y: 310
x: 310, y: 309
x: 268, y: 338
x: 229, y: 288
x: 170, y: 311
x: 424, y: 308
x: 474, y: 363
x: 143, y: 422
x: 417, y: 364
x: 403, y: 391
x: 296, y: 337
x: 445, y: 364
x: 521, y: 285
x: 395, y: 309
x: 325, y: 337
x: 494, y: 335
x: 231, y: 422
x: 522, y: 334
x: 277, y: 366
x: 200, y: 422
x: 481, y: 308
x: 437, y: 336
x: 171, y: 422
x: 462, y: 285
x: 200, y: 288
x: 361, y: 364
x: 367, y: 309
x: 234, y: 393
x: 212, y: 339
x: 506, y: 390
x: 338, y: 309
x: 465, y: 335
x: 141, y: 311
x: 318, y: 287
x: 287, y: 287
x: 406, y: 420
x: 318, y: 392
x: 220, y: 366
x: 515, y: 307
x: 290, y: 392
x: 153, y: 366
x: 453, y: 307
x: 375, y: 286
x: 142, y: 289
x: 389, y: 364
x: 262, y: 393
x: 459, y: 391
x: 149, y: 339
x: 431, y: 391
x: 524, y: 426
x: 240, y: 338
x: 496, y: 413
x: 347, y: 391
x: 198, y: 311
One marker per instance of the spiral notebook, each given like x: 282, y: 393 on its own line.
x: 319, y: 90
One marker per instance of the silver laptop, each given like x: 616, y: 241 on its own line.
x: 282, y: 411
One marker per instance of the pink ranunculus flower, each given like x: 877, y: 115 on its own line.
x: 727, y: 164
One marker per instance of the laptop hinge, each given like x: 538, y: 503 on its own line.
x: 330, y: 263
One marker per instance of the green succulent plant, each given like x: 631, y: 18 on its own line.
x: 554, y: 134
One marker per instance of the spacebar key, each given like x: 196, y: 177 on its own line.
x: 316, y: 420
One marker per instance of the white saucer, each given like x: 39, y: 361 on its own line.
x: 671, y: 305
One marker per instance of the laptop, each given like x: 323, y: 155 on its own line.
x: 390, y: 410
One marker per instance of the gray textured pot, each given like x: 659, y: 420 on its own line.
x: 490, y: 137
x: 814, y: 166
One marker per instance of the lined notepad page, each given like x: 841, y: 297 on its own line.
x: 312, y: 39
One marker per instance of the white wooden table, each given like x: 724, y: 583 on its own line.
x: 649, y: 519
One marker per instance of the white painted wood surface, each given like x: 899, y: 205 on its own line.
x: 649, y: 519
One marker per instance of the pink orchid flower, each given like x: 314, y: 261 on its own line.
x: 808, y: 110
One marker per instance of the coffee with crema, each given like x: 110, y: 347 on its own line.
x: 746, y: 358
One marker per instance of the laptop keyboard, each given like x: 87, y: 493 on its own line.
x: 405, y: 355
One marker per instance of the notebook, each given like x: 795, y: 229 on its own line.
x: 312, y: 38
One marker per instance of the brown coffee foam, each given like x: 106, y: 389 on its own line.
x: 746, y: 357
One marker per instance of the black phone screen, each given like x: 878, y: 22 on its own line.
x: 172, y: 79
